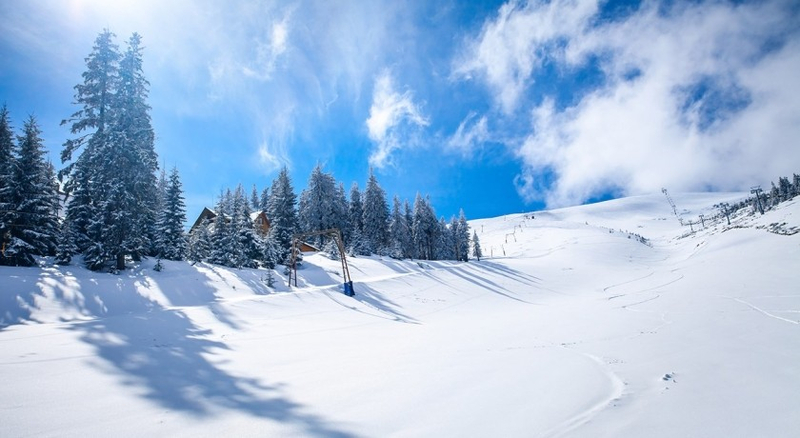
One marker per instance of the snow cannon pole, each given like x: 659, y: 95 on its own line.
x: 348, y: 288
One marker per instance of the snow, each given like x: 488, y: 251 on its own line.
x: 578, y: 330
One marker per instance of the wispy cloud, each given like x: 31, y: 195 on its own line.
x: 513, y: 46
x: 694, y: 96
x: 392, y: 114
x: 470, y: 135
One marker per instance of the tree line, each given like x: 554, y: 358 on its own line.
x: 367, y: 224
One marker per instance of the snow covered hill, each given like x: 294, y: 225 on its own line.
x: 609, y: 319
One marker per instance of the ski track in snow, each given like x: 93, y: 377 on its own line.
x: 762, y: 311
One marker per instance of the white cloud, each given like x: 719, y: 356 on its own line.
x: 470, y: 135
x: 692, y: 101
x: 267, y: 53
x: 390, y: 116
x: 510, y: 48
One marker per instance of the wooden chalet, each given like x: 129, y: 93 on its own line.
x: 259, y: 219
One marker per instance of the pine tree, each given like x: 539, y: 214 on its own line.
x: 7, y: 169
x: 795, y: 185
x: 399, y: 232
x: 408, y: 248
x: 355, y: 213
x: 376, y: 216
x: 222, y: 239
x: 476, y: 246
x: 424, y: 229
x: 66, y: 245
x: 445, y: 247
x: 113, y: 209
x: 785, y: 188
x: 34, y: 229
x: 282, y: 215
x: 200, y: 243
x: 255, y: 203
x: 461, y: 236
x: 135, y: 156
x: 95, y: 95
x: 170, y: 235
x: 318, y: 208
x: 263, y: 203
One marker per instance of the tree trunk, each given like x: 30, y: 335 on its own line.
x: 121, y: 262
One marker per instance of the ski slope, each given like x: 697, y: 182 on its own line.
x: 569, y: 327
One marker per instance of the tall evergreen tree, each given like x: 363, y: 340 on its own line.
x: 95, y: 96
x: 200, y: 243
x: 34, y: 229
x: 246, y: 246
x: 319, y: 207
x: 355, y: 213
x: 113, y: 209
x: 461, y: 237
x: 223, y: 245
x: 408, y: 249
x: 170, y: 235
x: 282, y: 215
x: 255, y: 202
x: 376, y: 216
x: 424, y: 229
x: 263, y: 202
x: 135, y: 152
x: 399, y: 231
x: 7, y: 168
x: 476, y: 246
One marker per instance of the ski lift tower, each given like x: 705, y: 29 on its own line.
x: 672, y: 204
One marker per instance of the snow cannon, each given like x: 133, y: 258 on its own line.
x: 348, y: 288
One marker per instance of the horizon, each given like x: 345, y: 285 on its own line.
x: 496, y: 108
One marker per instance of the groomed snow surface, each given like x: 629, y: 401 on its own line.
x: 569, y: 327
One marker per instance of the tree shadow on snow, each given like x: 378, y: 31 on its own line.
x: 167, y: 356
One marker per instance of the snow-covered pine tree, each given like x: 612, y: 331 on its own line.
x: 795, y: 185
x: 263, y: 202
x: 476, y: 246
x: 355, y: 214
x: 399, y: 233
x: 66, y: 244
x: 282, y: 215
x: 269, y: 253
x: 112, y: 211
x: 200, y: 243
x: 255, y: 202
x: 251, y: 245
x: 34, y: 229
x: 785, y: 188
x: 445, y: 240
x: 169, y: 233
x: 341, y: 210
x: 461, y: 235
x: 96, y: 98
x: 424, y: 229
x: 7, y: 166
x: 318, y: 207
x: 138, y: 146
x: 222, y: 239
x: 408, y: 249
x: 376, y: 216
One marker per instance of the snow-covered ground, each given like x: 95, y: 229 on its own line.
x: 569, y: 327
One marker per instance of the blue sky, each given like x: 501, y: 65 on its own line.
x: 494, y: 107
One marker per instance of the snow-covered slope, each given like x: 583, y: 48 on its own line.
x: 570, y: 327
